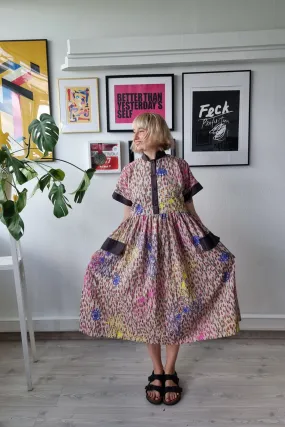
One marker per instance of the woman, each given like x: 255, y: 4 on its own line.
x: 162, y: 277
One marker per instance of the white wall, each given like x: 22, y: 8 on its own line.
x: 244, y: 205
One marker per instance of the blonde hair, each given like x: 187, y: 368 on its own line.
x: 157, y: 130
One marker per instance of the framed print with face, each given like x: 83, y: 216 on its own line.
x: 134, y: 156
x: 112, y: 151
x: 24, y: 93
x: 79, y: 105
x: 216, y: 118
x: 129, y: 96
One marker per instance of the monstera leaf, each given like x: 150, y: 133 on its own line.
x: 20, y: 168
x: 10, y: 217
x: 29, y: 173
x: 44, y: 132
x: 21, y: 200
x: 3, y: 155
x: 3, y: 197
x: 57, y: 174
x: 81, y: 190
x: 56, y: 195
x: 15, y: 171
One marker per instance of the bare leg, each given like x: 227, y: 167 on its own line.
x: 171, y: 357
x: 154, y: 351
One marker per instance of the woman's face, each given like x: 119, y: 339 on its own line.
x: 140, y: 138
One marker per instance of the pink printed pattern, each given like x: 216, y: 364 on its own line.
x: 165, y: 287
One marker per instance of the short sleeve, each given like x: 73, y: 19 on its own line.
x: 190, y: 185
x: 122, y: 192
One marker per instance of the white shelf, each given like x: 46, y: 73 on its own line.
x: 165, y: 50
x: 6, y: 263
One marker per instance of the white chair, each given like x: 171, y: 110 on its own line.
x: 15, y: 263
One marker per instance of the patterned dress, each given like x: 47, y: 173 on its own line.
x: 162, y: 276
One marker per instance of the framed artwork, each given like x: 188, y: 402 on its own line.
x: 24, y: 92
x: 216, y: 118
x: 79, y: 105
x: 134, y: 156
x: 129, y: 96
x: 112, y: 150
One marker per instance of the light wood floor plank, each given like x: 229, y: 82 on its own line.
x: 227, y: 383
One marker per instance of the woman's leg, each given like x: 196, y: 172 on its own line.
x: 171, y: 357
x: 154, y: 351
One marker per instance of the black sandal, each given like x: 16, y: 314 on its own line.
x: 172, y: 389
x: 152, y: 387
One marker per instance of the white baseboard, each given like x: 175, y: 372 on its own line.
x: 250, y: 322
x: 42, y: 324
x: 262, y: 322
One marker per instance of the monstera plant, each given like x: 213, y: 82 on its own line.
x: 15, y: 172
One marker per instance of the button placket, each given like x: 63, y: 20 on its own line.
x: 154, y: 191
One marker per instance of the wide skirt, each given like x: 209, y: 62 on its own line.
x: 161, y: 279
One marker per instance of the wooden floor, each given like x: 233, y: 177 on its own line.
x: 232, y: 382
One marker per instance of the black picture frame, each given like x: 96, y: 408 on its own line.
x: 222, y: 139
x: 156, y: 99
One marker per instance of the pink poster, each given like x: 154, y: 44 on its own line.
x: 132, y: 100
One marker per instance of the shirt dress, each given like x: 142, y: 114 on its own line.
x: 161, y: 277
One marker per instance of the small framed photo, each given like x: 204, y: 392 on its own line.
x: 216, y: 118
x: 134, y: 156
x: 79, y: 105
x: 112, y: 150
x: 129, y: 96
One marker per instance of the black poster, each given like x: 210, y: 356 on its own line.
x: 215, y: 120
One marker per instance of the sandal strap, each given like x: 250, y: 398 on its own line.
x: 174, y: 378
x: 173, y: 389
x: 152, y: 387
x: 153, y: 377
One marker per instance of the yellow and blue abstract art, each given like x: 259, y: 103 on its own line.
x: 24, y: 92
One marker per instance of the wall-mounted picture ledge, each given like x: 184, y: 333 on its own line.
x: 233, y: 47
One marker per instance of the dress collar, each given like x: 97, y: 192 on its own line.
x: 159, y: 155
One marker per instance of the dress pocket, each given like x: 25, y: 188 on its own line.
x: 114, y: 246
x: 209, y: 242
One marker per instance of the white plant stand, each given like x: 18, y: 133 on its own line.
x: 16, y: 264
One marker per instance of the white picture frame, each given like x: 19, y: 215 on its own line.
x: 112, y: 150
x: 79, y: 105
x: 216, y: 118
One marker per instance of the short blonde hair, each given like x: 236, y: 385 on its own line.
x: 157, y: 130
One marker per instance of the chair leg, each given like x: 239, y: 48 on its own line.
x: 22, y: 317
x: 29, y: 314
